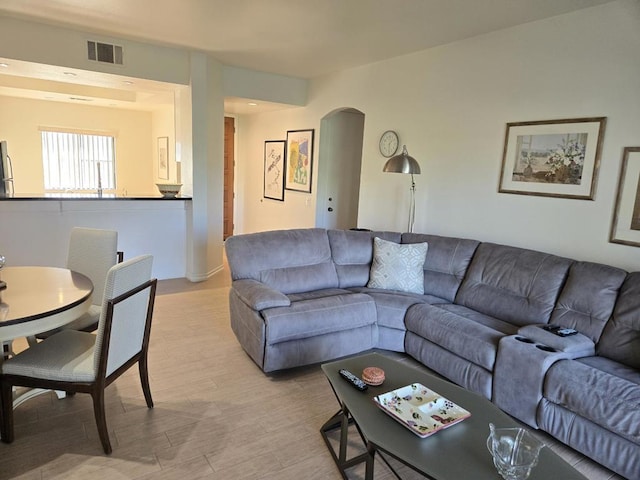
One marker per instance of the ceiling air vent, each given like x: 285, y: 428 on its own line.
x: 104, y: 52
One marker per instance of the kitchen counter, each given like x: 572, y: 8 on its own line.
x: 87, y: 196
x: 34, y: 230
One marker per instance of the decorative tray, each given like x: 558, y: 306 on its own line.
x: 421, y: 410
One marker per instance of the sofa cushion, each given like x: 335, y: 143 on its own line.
x: 392, y: 306
x: 446, y: 264
x: 398, y: 267
x: 296, y: 260
x: 620, y: 338
x: 327, y: 292
x: 301, y: 278
x: 600, y: 390
x: 468, y: 334
x: 318, y: 316
x: 513, y: 284
x: 352, y: 253
x: 414, y: 297
x: 588, y: 297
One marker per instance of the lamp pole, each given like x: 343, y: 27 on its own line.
x: 412, y: 205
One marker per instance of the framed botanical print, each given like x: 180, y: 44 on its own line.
x: 299, y: 160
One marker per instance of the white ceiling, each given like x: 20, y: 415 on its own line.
x: 301, y: 38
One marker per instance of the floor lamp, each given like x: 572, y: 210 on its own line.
x: 404, y: 163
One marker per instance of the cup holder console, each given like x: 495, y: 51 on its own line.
x: 523, y: 354
x: 524, y: 340
x: 546, y: 348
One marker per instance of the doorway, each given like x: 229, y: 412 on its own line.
x: 229, y: 163
x: 339, y: 167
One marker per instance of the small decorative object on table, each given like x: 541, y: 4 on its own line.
x: 169, y: 190
x: 373, y: 376
x: 515, y: 451
x: 420, y: 409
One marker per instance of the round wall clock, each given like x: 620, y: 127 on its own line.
x: 388, y: 143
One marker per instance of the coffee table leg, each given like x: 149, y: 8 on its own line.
x: 371, y: 452
x: 342, y: 421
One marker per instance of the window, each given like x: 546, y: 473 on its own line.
x: 78, y: 161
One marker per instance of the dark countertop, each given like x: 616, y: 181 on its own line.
x: 90, y: 196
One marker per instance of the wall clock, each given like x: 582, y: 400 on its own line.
x: 388, y: 143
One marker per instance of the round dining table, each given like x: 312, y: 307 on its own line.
x: 38, y: 299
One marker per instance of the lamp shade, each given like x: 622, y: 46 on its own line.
x: 402, y: 163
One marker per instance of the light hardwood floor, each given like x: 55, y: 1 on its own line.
x: 216, y: 415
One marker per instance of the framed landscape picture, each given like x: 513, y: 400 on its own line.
x: 299, y: 160
x: 274, y: 169
x: 625, y: 227
x: 552, y: 158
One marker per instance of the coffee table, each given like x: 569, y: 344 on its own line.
x: 455, y: 453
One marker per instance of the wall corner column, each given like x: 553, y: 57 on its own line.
x: 205, y: 229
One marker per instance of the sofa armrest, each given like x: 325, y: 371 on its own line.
x: 574, y: 346
x: 259, y: 296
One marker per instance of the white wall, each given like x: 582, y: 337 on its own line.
x: 253, y: 212
x: 450, y: 106
x: 21, y: 118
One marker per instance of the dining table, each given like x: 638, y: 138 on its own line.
x: 36, y: 299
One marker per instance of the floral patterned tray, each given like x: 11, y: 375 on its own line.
x: 421, y: 410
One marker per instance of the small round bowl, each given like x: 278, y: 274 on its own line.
x: 373, y: 376
x: 169, y: 190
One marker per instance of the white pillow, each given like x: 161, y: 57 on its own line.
x: 398, y: 266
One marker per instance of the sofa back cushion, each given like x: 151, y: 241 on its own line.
x: 513, y: 284
x: 291, y: 261
x: 587, y: 299
x: 446, y: 264
x: 620, y: 340
x: 352, y: 252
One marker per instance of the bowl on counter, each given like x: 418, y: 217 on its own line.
x: 169, y: 190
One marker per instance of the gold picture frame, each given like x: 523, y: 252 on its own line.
x: 552, y: 158
x: 625, y: 226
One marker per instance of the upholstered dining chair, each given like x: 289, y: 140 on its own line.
x: 92, y: 252
x: 81, y: 362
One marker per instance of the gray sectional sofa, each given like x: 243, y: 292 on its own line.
x: 301, y: 296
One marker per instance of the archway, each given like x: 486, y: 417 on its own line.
x: 339, y: 167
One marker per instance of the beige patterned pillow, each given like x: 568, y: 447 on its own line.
x: 398, y: 266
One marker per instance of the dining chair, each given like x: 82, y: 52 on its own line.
x: 83, y: 362
x: 92, y: 252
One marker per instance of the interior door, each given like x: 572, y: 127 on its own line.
x: 229, y: 162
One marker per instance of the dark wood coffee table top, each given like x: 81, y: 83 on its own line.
x: 457, y: 452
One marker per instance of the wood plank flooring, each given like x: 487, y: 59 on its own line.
x: 216, y: 415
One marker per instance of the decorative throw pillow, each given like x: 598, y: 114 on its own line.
x: 398, y: 266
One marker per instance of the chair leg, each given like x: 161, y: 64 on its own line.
x: 7, y: 350
x: 6, y: 412
x: 101, y: 419
x: 144, y: 380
